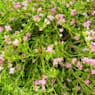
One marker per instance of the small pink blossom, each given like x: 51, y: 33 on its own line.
x: 85, y: 49
x: 56, y: 60
x: 53, y: 10
x: 74, y: 60
x: 93, y: 12
x: 93, y: 71
x: 63, y: 93
x: 12, y: 19
x: 47, y: 21
x: 86, y: 24
x: 61, y: 29
x: 41, y: 14
x: 86, y: 70
x: 69, y: 80
x: 11, y: 70
x: 85, y: 14
x: 29, y: 34
x: 49, y: 49
x: 70, y: 3
x: 44, y: 76
x: 68, y: 65
x: 24, y: 3
x: 67, y: 5
x: 87, y: 81
x: 39, y: 9
x: 8, y: 28
x: 1, y: 29
x: 53, y: 81
x: 36, y: 18
x: 76, y: 37
x: 92, y: 46
x: 59, y: 16
x: 17, y: 5
x: 79, y: 65
x: 35, y: 4
x: 72, y: 22
x: 24, y: 38
x: 1, y: 68
x: 73, y: 12
x: 50, y: 17
x: 15, y: 42
x: 1, y: 62
x: 88, y: 75
x: 88, y: 38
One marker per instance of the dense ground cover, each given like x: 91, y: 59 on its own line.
x: 47, y: 47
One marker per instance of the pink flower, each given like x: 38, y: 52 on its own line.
x: 93, y: 13
x: 72, y: 22
x: 85, y: 14
x: 59, y: 16
x: 67, y: 5
x: 11, y: 70
x: 8, y: 28
x: 44, y: 76
x: 41, y: 14
x: 29, y: 34
x: 86, y: 24
x: 39, y: 9
x: 36, y: 18
x: 19, y: 67
x: 56, y: 60
x: 61, y: 29
x: 1, y: 29
x: 65, y: 86
x: 1, y: 62
x: 88, y: 75
x: 76, y: 37
x: 43, y: 81
x: 87, y: 32
x: 63, y: 93
x: 29, y: 0
x: 73, y: 12
x: 50, y: 17
x: 62, y: 41
x: 92, y: 46
x: 74, y: 60
x: 88, y: 38
x: 63, y: 20
x: 53, y: 10
x: 68, y: 65
x: 17, y: 5
x: 35, y: 4
x: 85, y: 49
x: 47, y: 21
x: 93, y: 71
x: 69, y: 80
x: 37, y: 82
x: 87, y: 81
x: 37, y: 88
x: 24, y: 38
x: 12, y: 19
x: 53, y: 81
x: 70, y: 3
x: 24, y: 3
x: 79, y: 65
x: 49, y: 49
x: 1, y: 68
x: 15, y: 42
x: 86, y: 70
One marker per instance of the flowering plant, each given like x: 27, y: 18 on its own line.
x: 47, y: 47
